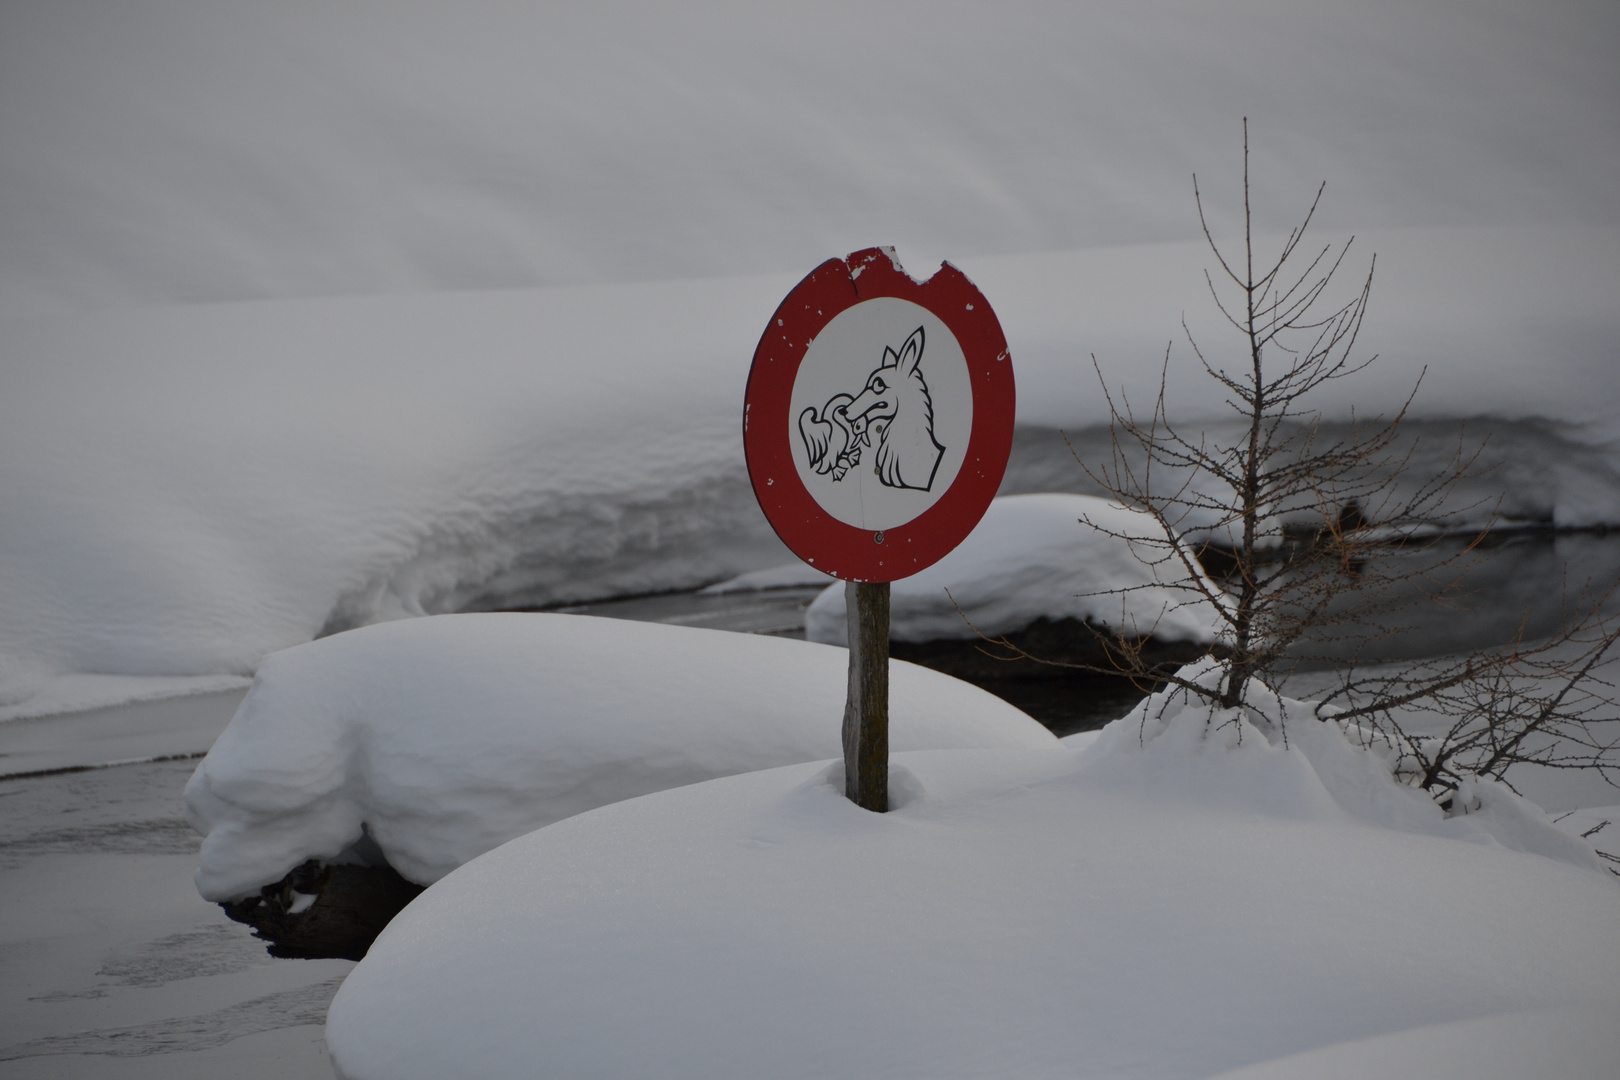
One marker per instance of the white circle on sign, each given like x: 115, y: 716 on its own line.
x: 881, y: 414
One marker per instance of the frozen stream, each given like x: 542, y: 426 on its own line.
x: 112, y: 965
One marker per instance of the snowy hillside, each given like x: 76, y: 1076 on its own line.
x: 185, y: 489
x: 427, y: 379
x: 198, y: 150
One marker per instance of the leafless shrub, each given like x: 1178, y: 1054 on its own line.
x: 1310, y: 545
x: 1549, y: 703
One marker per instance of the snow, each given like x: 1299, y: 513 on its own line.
x: 1496, y: 341
x: 1554, y: 788
x: 315, y: 317
x: 170, y: 506
x: 303, y: 331
x: 165, y: 151
x: 791, y: 575
x: 444, y: 737
x: 80, y: 693
x: 1031, y: 557
x: 1597, y: 825
x: 1189, y: 894
x: 146, y: 730
x: 1330, y: 769
x: 1581, y: 1039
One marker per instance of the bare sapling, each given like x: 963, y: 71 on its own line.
x: 1273, y: 520
x: 1308, y: 541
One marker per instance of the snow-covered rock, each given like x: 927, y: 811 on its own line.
x: 1191, y: 893
x: 1037, y: 556
x: 444, y: 737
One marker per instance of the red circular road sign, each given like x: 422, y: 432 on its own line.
x: 878, y: 416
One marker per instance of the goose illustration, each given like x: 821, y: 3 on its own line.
x: 831, y: 440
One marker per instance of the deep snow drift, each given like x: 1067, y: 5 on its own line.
x: 184, y: 490
x: 1032, y: 557
x: 444, y: 737
x: 1187, y: 895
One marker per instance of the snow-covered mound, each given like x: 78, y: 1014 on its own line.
x: 1030, y: 557
x: 444, y: 737
x: 1343, y: 772
x: 1186, y: 896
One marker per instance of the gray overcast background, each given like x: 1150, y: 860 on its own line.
x: 155, y: 152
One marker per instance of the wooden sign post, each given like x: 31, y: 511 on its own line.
x: 877, y: 423
x: 866, y: 710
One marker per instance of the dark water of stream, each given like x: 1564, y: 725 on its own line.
x: 1517, y: 583
x: 1524, y: 584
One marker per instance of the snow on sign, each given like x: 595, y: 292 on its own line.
x: 878, y: 416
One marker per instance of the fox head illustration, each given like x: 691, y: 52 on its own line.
x: 895, y: 408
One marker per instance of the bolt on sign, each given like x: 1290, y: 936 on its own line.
x: 876, y: 424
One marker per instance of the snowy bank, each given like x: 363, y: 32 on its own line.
x: 444, y: 737
x: 80, y: 693
x: 1038, y: 556
x: 250, y: 387
x: 184, y: 490
x: 1171, y: 902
